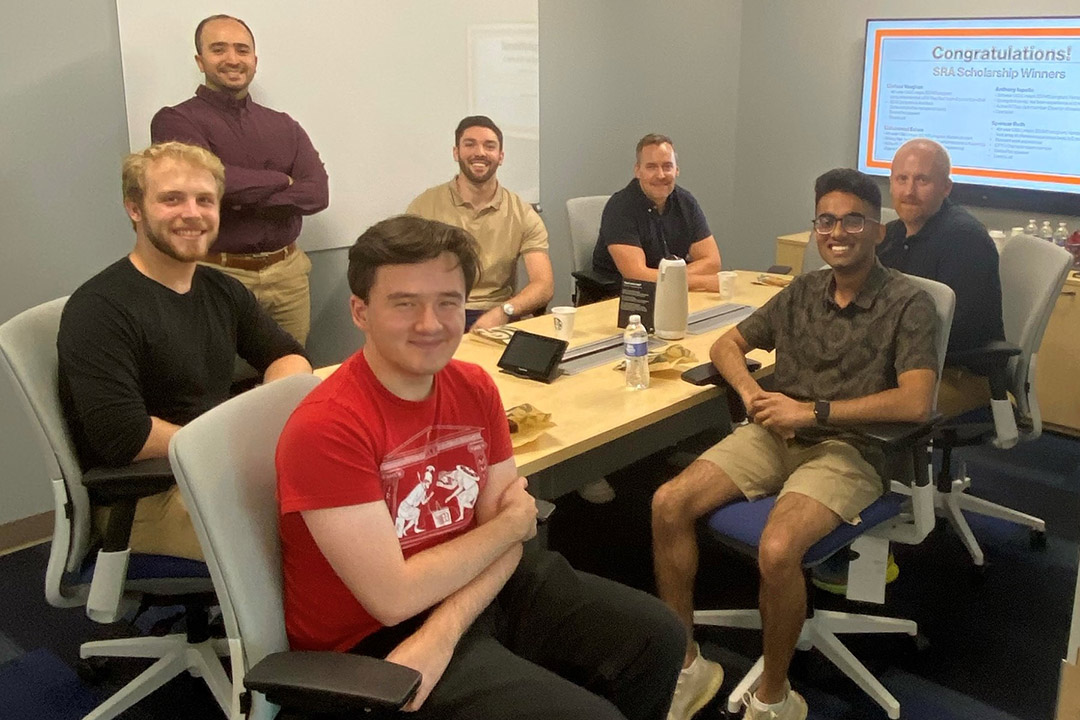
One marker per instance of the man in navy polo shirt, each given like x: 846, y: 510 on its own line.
x: 652, y: 218
x: 937, y: 239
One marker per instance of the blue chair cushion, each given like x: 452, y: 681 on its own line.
x: 149, y: 567
x: 743, y: 522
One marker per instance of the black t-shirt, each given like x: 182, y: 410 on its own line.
x: 630, y: 218
x: 955, y: 249
x: 130, y: 348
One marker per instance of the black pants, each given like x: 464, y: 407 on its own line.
x: 556, y: 643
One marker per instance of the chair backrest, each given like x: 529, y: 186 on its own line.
x: 224, y: 466
x: 584, y: 214
x: 28, y: 352
x: 1033, y: 271
x: 945, y: 301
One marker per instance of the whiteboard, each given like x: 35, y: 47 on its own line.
x: 378, y: 86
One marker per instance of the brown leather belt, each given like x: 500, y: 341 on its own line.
x: 251, y: 261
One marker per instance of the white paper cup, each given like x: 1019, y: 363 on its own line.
x: 563, y: 316
x: 726, y: 281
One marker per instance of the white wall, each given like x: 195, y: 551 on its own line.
x: 378, y: 86
x: 63, y: 135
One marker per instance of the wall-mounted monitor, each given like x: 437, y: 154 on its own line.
x: 1001, y: 94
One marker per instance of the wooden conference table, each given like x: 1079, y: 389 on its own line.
x: 600, y: 426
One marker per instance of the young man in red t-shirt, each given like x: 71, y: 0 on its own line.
x: 405, y: 525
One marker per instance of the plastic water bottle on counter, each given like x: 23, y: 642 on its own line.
x: 1046, y: 232
x: 1031, y: 228
x: 1061, y: 235
x: 636, y: 349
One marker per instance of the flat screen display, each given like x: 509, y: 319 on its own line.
x: 1001, y: 94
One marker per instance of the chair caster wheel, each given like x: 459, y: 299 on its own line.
x: 92, y: 671
x: 920, y: 643
x: 1037, y: 539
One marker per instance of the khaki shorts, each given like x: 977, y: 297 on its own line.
x: 161, y: 526
x: 831, y: 472
x: 961, y: 390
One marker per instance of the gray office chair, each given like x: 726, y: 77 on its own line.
x: 1033, y: 272
x: 112, y: 581
x: 585, y: 214
x: 224, y: 466
x: 891, y: 518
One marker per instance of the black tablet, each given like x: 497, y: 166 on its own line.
x: 532, y: 356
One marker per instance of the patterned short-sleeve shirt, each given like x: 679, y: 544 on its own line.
x: 825, y: 352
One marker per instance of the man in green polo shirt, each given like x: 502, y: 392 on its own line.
x: 505, y: 227
x: 854, y: 344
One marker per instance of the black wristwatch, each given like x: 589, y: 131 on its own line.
x: 821, y: 412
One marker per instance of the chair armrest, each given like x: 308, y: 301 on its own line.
x: 899, y: 434
x: 324, y: 682
x: 984, y: 358
x: 107, y: 485
x: 595, y: 280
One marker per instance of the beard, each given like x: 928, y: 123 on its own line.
x: 467, y: 171
x: 167, y: 248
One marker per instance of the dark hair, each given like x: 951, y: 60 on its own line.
x: 852, y: 182
x: 477, y: 121
x: 406, y: 240
x: 199, y: 29
x: 652, y: 139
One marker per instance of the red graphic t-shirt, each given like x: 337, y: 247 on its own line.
x: 352, y: 441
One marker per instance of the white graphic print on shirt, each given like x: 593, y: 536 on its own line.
x: 432, y: 480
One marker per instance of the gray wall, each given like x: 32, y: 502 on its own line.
x: 798, y: 109
x: 613, y: 71
x: 64, y: 134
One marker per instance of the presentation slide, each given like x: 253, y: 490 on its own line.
x: 379, y: 87
x: 1002, y: 96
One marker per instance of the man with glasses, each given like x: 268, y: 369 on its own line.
x: 935, y: 239
x: 854, y: 344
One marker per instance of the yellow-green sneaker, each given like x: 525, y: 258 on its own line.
x: 831, y: 575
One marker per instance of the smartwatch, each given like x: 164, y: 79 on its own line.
x: 821, y: 412
x: 508, y: 309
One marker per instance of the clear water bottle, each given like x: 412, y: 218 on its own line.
x: 1061, y: 235
x: 1046, y: 232
x: 1031, y: 228
x: 636, y: 349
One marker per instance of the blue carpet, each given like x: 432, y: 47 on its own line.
x: 39, y: 685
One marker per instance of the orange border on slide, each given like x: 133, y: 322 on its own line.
x: 881, y: 34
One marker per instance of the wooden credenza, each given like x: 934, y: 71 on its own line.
x: 1058, y: 369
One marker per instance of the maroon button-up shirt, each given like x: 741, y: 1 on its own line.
x: 261, y: 149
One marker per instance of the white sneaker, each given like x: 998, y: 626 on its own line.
x: 597, y: 492
x: 793, y: 708
x: 696, y: 687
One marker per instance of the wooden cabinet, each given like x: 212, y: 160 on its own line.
x: 791, y: 250
x: 1058, y: 369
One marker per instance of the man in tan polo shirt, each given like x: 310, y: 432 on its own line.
x: 505, y: 227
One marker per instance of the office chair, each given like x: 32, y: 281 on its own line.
x: 224, y: 466
x: 112, y: 581
x: 1033, y: 272
x: 906, y: 518
x: 584, y: 214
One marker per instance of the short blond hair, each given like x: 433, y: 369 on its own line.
x: 135, y: 164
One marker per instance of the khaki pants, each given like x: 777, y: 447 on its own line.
x: 283, y: 290
x: 162, y: 526
x: 960, y: 391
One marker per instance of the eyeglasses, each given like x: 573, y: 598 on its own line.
x: 852, y: 223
